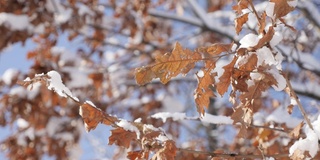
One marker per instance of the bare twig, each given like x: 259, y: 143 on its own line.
x: 294, y: 95
x: 230, y: 155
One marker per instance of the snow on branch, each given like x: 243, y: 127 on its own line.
x: 312, y: 10
x: 55, y: 84
x: 207, y: 118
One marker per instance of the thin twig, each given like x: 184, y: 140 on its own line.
x: 230, y: 155
x: 294, y: 95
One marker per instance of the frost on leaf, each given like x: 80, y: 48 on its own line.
x: 167, y: 152
x: 281, y: 8
x: 167, y: 66
x: 121, y: 137
x: 223, y: 84
x: 240, y: 21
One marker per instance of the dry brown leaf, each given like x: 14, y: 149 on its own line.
x: 121, y: 137
x: 281, y: 8
x: 242, y: 75
x: 240, y: 21
x: 237, y: 115
x: 242, y: 4
x: 243, y: 132
x: 298, y: 155
x: 168, y: 152
x: 144, y: 75
x: 203, y: 93
x: 91, y: 116
x: 295, y: 133
x: 250, y: 64
x: 218, y: 48
x: 135, y: 155
x: 262, y: 23
x: 167, y: 66
x: 290, y: 108
x: 97, y: 79
x: 265, y: 39
x: 225, y: 79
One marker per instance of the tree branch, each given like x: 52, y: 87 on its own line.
x: 294, y: 95
x: 230, y: 155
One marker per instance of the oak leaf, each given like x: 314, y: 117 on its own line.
x: 167, y: 66
x: 240, y: 21
x: 225, y: 79
x: 299, y: 155
x: 91, y: 116
x: 242, y: 4
x: 121, y: 137
x: 134, y: 155
x: 168, y: 152
x: 262, y: 22
x: 265, y: 39
x: 241, y: 75
x: 295, y: 133
x: 203, y: 92
x: 281, y: 8
x: 218, y: 48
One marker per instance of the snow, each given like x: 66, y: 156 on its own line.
x: 22, y: 123
x: 9, y: 75
x: 309, y: 88
x: 32, y: 93
x: 85, y: 10
x: 53, y: 128
x: 61, y: 14
x: 313, y: 10
x: 310, y: 143
x: 200, y: 74
x: 307, y: 60
x: 15, y: 22
x: 270, y: 10
x: 282, y: 83
x: 129, y: 127
x: 265, y: 56
x: 30, y: 133
x: 147, y: 127
x: 292, y: 3
x: 79, y: 77
x: 280, y: 115
x: 207, y: 118
x: 172, y: 104
x: 293, y: 101
x: 55, y: 83
x: 91, y: 104
x: 162, y: 138
x: 165, y: 115
x: 18, y: 91
x: 249, y: 40
x: 213, y: 119
x: 276, y: 39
